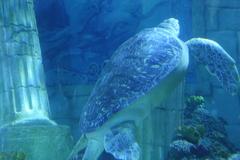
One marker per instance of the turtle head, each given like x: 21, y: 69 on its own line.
x: 171, y: 25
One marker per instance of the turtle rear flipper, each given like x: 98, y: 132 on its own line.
x: 121, y: 144
x: 217, y: 61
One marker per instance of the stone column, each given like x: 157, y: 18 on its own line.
x: 24, y: 122
x: 159, y: 128
x: 22, y: 89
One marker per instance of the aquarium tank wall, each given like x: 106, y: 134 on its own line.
x: 53, y: 52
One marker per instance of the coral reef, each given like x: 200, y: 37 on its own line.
x: 181, y: 148
x: 202, y: 135
x: 191, y: 133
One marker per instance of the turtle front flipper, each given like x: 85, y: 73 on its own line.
x: 92, y: 152
x: 217, y: 61
x: 121, y: 143
x: 81, y: 144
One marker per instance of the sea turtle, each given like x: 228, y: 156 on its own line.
x: 142, y: 73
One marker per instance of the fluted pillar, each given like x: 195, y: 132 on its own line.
x: 24, y: 103
x: 22, y: 88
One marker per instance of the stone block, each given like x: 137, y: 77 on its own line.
x: 227, y: 39
x: 225, y: 105
x: 211, y: 17
x: 238, y: 59
x: 159, y: 127
x: 229, y: 19
x: 233, y: 133
x: 149, y: 4
x: 67, y: 101
x: 161, y: 123
x: 77, y: 96
x: 182, y: 10
x: 77, y: 90
x: 156, y: 16
x: 146, y: 131
x: 146, y: 151
x: 38, y: 142
x: 59, y: 104
x: 76, y: 130
x: 223, y: 3
x: 198, y: 20
x: 157, y: 132
x: 198, y: 81
x: 76, y: 106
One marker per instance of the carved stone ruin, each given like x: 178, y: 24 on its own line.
x: 22, y: 89
x: 159, y: 128
x: 24, y: 108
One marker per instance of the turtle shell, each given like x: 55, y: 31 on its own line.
x: 135, y: 68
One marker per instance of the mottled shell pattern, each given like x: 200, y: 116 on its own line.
x: 135, y: 68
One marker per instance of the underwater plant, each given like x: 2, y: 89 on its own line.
x: 141, y: 74
x: 195, y: 101
x: 204, y: 131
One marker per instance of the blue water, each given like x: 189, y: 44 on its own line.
x: 78, y: 37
